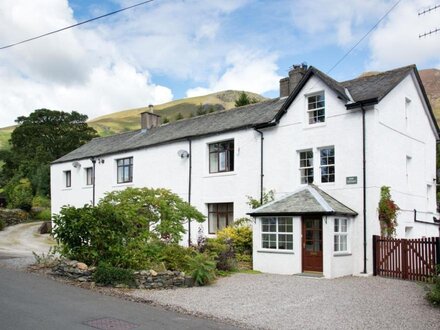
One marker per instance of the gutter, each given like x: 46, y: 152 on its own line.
x: 189, y: 186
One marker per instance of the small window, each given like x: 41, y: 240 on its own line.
x: 407, y: 112
x: 125, y: 170
x: 277, y: 233
x: 341, y: 235
x: 220, y: 215
x: 89, y: 176
x: 221, y: 157
x: 68, y: 178
x: 327, y: 164
x: 306, y: 166
x: 316, y: 108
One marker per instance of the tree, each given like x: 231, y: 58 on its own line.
x: 179, y: 116
x: 243, y: 99
x: 39, y: 139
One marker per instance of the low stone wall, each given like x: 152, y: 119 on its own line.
x: 13, y: 216
x: 149, y: 279
x: 145, y: 279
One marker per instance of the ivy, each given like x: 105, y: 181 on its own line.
x: 388, y: 210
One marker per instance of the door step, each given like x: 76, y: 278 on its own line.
x: 310, y: 274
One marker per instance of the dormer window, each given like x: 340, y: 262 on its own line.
x: 316, y: 108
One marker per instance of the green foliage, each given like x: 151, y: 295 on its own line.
x: 39, y: 139
x: 179, y: 116
x: 222, y: 251
x: 126, y: 229
x: 165, y: 120
x: 175, y: 256
x: 240, y: 237
x: 387, y: 213
x: 201, y: 110
x: 434, y: 295
x: 268, y: 196
x: 106, y: 274
x: 46, y: 260
x: 41, y: 201
x: 20, y: 195
x: 2, y: 224
x: 43, y: 215
x: 243, y: 99
x: 202, y: 268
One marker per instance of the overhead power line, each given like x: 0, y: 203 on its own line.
x: 364, y: 36
x: 430, y: 31
x: 75, y: 25
x: 428, y: 10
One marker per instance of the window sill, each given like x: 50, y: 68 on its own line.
x: 87, y: 187
x: 220, y: 174
x: 341, y: 254
x: 308, y: 126
x: 276, y: 251
x: 66, y: 188
x: 125, y: 184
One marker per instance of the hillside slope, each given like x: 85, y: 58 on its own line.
x: 431, y: 82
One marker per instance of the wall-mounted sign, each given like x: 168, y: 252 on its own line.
x: 351, y: 180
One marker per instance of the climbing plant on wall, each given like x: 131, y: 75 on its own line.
x: 388, y: 210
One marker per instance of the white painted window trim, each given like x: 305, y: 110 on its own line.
x: 322, y: 166
x: 310, y: 111
x: 307, y: 167
x: 340, y: 234
x: 276, y: 233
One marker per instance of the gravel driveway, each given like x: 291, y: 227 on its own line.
x: 291, y: 302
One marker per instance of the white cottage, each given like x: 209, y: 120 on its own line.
x: 324, y: 147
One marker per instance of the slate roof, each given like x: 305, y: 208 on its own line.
x: 214, y: 123
x: 308, y: 200
x: 254, y: 115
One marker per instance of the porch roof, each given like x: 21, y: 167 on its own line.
x: 307, y: 200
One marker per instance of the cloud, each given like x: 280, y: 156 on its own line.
x: 78, y: 69
x: 246, y: 70
x: 396, y: 42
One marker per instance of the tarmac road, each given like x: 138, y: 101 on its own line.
x: 28, y: 301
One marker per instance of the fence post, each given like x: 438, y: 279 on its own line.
x: 438, y: 250
x: 404, y: 260
x: 374, y: 255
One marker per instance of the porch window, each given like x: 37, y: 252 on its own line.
x: 68, y: 179
x: 316, y: 108
x: 221, y: 156
x: 306, y: 166
x: 327, y: 164
x: 125, y: 170
x: 341, y: 235
x: 220, y: 215
x: 277, y: 233
x: 89, y: 176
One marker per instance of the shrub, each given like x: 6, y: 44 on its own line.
x: 106, y: 274
x: 20, y: 195
x: 240, y: 236
x: 387, y: 213
x: 44, y: 215
x: 41, y: 201
x: 2, y: 224
x: 434, y: 295
x: 202, y: 268
x: 175, y: 257
x: 222, y: 251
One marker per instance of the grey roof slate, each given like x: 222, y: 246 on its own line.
x: 360, y: 89
x: 307, y: 200
x: 214, y: 123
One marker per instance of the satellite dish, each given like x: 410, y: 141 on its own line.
x: 76, y: 164
x: 183, y: 154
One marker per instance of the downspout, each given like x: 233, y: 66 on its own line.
x: 261, y: 164
x: 189, y: 188
x: 364, y: 188
x: 93, y: 159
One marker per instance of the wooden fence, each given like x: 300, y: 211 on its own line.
x: 408, y: 259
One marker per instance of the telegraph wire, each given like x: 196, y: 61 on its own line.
x: 428, y: 10
x: 430, y: 31
x: 77, y: 24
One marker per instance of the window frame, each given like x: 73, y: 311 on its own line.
x: 277, y: 233
x: 229, y: 215
x: 306, y: 169
x: 87, y: 170
x: 338, y: 234
x: 327, y: 165
x: 228, y: 155
x: 68, y: 179
x: 313, y: 114
x: 123, y: 166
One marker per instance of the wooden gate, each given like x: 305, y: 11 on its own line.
x: 408, y: 259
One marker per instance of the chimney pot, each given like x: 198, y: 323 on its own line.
x: 149, y: 119
x: 288, y: 84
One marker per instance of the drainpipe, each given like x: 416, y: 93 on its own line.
x: 189, y: 188
x: 364, y: 188
x: 261, y: 164
x: 93, y: 159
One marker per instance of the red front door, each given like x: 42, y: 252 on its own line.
x: 312, y: 244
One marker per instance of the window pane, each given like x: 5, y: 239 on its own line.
x: 212, y: 219
x: 336, y: 225
x: 343, y: 243
x: 222, y: 207
x: 221, y: 221
x: 231, y: 160
x: 213, y: 162
x: 213, y: 147
x: 269, y: 241
x: 222, y: 161
x: 344, y: 225
x: 336, y: 243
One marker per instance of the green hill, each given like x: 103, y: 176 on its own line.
x: 127, y: 120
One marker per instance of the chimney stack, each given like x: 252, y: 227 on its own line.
x: 149, y: 119
x: 288, y: 84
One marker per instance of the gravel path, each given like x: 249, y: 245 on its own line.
x: 18, y: 242
x: 290, y: 302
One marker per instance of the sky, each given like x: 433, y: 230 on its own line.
x: 170, y: 49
